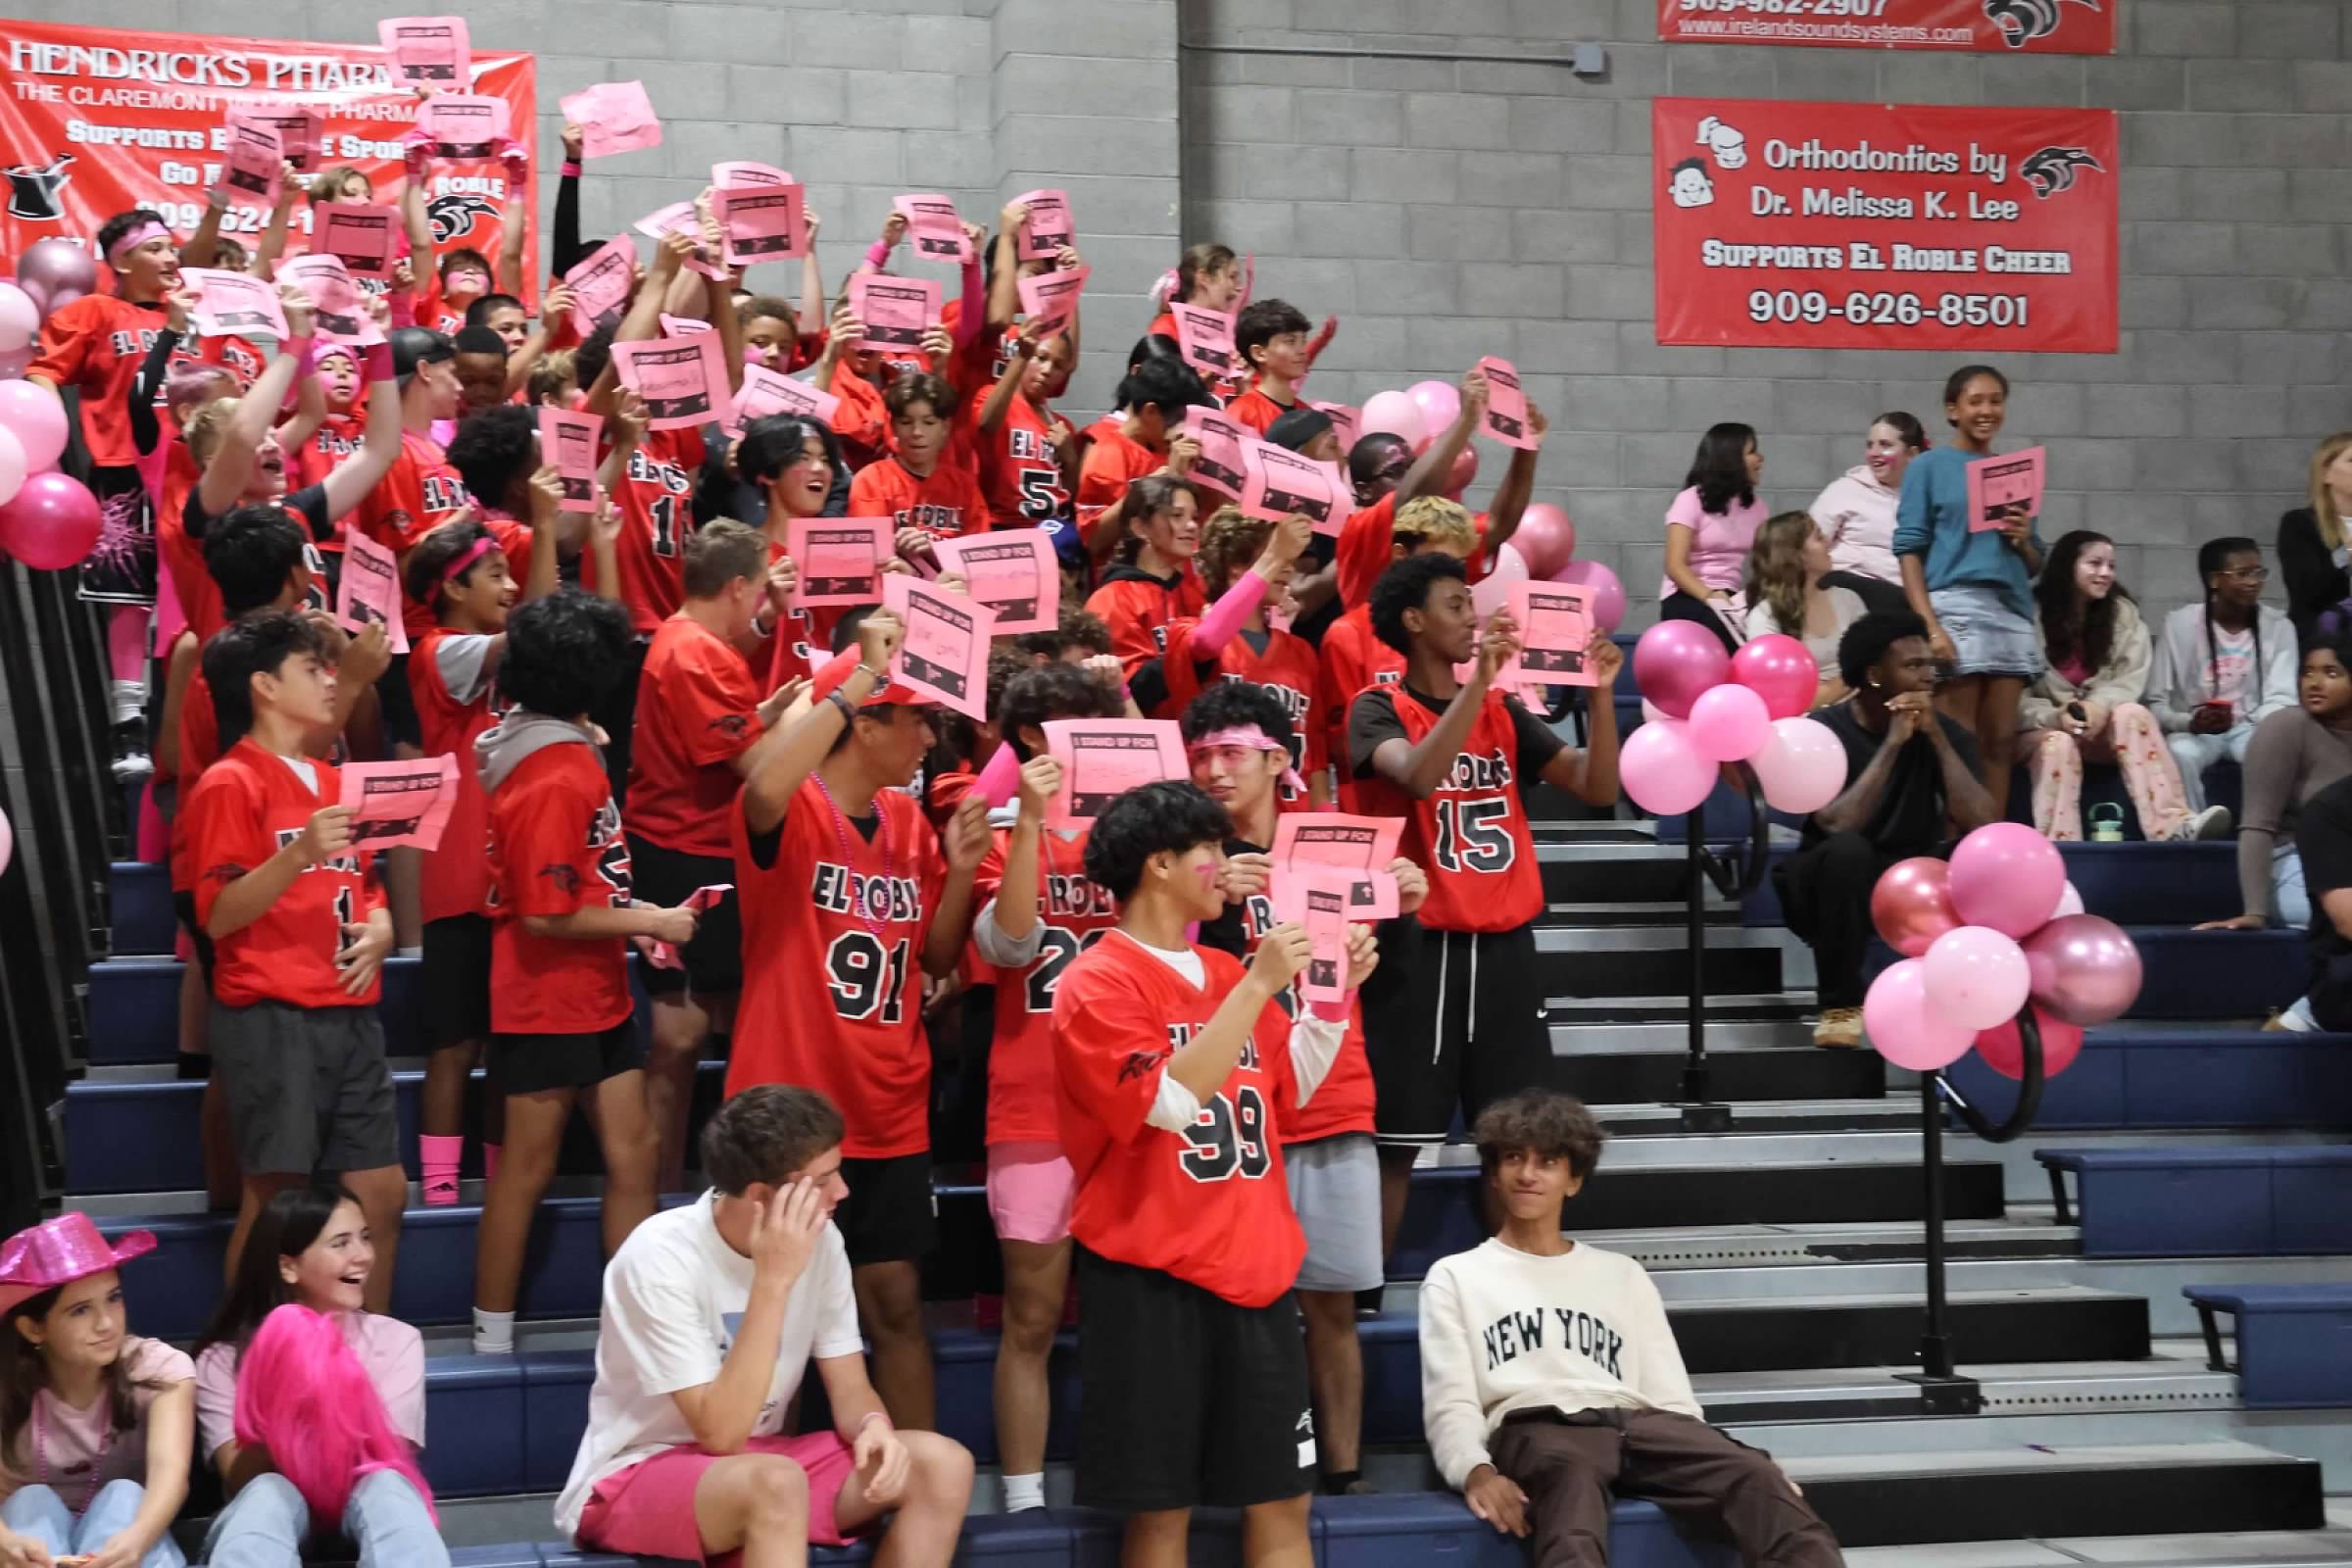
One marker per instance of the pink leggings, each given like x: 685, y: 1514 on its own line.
x: 127, y: 641
x: 2135, y: 744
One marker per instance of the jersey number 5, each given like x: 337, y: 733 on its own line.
x: 863, y: 980
x: 1472, y: 834
x: 1228, y: 1136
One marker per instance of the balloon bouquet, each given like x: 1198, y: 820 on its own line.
x: 1981, y: 936
x: 1543, y: 545
x: 48, y: 521
x: 1704, y: 708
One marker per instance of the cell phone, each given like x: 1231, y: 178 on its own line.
x: 2073, y: 711
x: 2220, y: 705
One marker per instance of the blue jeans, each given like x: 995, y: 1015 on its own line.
x: 2290, y: 898
x: 264, y: 1526
x: 40, y: 1514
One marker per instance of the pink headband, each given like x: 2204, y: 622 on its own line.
x: 1253, y: 739
x: 136, y: 238
x: 464, y: 563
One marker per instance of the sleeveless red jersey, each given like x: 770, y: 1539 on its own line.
x: 1470, y: 837
x: 1075, y: 913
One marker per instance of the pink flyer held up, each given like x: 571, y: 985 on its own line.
x: 1555, y: 633
x: 1318, y: 899
x: 463, y: 125
x: 1206, y: 339
x: 760, y: 222
x: 569, y: 441
x: 1051, y: 299
x: 896, y: 311
x: 338, y: 306
x: 1346, y: 423
x: 601, y: 284
x: 1279, y: 482
x: 765, y: 392
x: 1506, y: 406
x: 702, y: 901
x: 746, y: 173
x: 1998, y: 484
x: 254, y: 160
x: 1221, y: 464
x: 1362, y: 847
x: 429, y: 51
x: 680, y: 217
x: 945, y: 652
x: 233, y: 305
x: 1102, y: 759
x: 683, y: 380
x: 298, y: 130
x: 404, y: 803
x: 1012, y: 572
x: 362, y: 237
x: 613, y: 117
x: 840, y: 559
x: 369, y: 590
x: 1048, y: 227
x: 934, y: 230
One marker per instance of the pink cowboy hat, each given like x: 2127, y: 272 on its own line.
x: 59, y: 1251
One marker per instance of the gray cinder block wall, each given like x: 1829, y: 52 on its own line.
x: 1446, y: 209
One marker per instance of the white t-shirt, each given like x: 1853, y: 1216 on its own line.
x: 674, y: 1296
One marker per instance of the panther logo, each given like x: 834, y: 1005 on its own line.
x: 455, y: 217
x: 2023, y: 21
x: 2052, y: 170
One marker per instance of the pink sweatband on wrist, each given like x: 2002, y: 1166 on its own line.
x: 136, y: 238
x: 877, y: 255
x: 306, y: 355
x: 464, y: 563
x: 376, y: 364
x: 571, y: 169
x: 1330, y: 1011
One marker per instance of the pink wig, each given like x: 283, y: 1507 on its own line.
x: 302, y: 1395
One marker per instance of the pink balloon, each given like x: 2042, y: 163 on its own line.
x: 1395, y: 413
x: 61, y: 298
x: 33, y: 415
x: 1780, y: 671
x: 1976, y: 976
x: 1729, y: 723
x: 52, y: 523
x: 20, y: 317
x: 1677, y: 659
x: 14, y: 362
x: 1662, y: 770
x: 1462, y: 474
x: 8, y: 842
x: 2005, y: 1052
x: 1440, y: 403
x: 14, y: 469
x: 57, y: 265
x: 2084, y: 968
x: 1546, y: 538
x: 1609, y: 594
x: 2007, y: 876
x: 1905, y: 1028
x: 1652, y: 713
x: 1912, y: 904
x: 1493, y: 591
x: 1802, y: 769
x: 2070, y: 901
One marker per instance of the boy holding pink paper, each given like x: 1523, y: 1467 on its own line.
x: 926, y: 496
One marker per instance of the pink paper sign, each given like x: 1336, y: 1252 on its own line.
x: 840, y: 559
x: 234, y: 303
x: 1049, y: 227
x: 744, y: 173
x: 463, y: 125
x: 944, y: 655
x: 1506, y: 406
x: 1102, y: 759
x: 1319, y: 900
x: 896, y: 311
x: 680, y: 217
x: 1206, y: 339
x: 1280, y: 482
x: 1555, y: 633
x: 1996, y: 484
x: 613, y: 117
x: 765, y: 392
x: 601, y: 285
x: 683, y: 380
x: 428, y: 51
x: 702, y: 901
x: 368, y: 590
x: 569, y: 441
x: 762, y: 223
x: 682, y: 326
x: 933, y: 228
x: 1051, y: 299
x: 1220, y: 464
x: 362, y: 237
x: 339, y: 308
x: 393, y: 803
x: 298, y: 130
x: 1346, y: 423
x: 1013, y: 572
x: 1362, y: 847
x: 252, y: 162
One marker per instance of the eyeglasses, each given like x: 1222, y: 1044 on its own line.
x: 2250, y: 573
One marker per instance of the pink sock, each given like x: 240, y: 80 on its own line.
x: 439, y: 1157
x: 490, y: 1153
x: 127, y: 641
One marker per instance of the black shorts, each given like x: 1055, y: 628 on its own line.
x: 530, y: 1064
x: 1458, y: 1024
x: 617, y: 714
x: 455, y: 1008
x: 890, y: 1215
x: 1186, y: 1399
x: 398, y: 704
x: 714, y: 957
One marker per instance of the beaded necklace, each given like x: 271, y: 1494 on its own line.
x: 841, y: 834
x: 40, y: 1452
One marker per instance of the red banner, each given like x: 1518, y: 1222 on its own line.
x: 1867, y: 225
x: 2037, y: 26
x: 98, y: 119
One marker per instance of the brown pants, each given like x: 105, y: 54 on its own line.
x: 1569, y: 1466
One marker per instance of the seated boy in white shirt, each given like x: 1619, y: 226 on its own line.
x: 1549, y: 1377
x: 711, y: 1314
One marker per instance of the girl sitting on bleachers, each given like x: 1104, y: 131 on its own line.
x: 2295, y: 752
x: 2085, y: 706
x: 1789, y: 595
x: 2222, y: 665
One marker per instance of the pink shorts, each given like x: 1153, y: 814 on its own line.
x: 1030, y: 1190
x: 648, y: 1509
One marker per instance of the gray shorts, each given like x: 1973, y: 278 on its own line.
x: 1990, y: 638
x: 308, y: 1088
x: 1335, y: 1185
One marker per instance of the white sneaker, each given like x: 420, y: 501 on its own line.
x: 131, y: 766
x: 2213, y: 822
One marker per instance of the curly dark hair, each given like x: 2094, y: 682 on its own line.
x: 1233, y: 704
x: 1545, y: 1121
x: 563, y: 653
x: 1051, y: 691
x: 764, y: 1134
x: 2092, y: 638
x: 496, y: 451
x: 1867, y: 640
x: 1154, y: 818
x: 1405, y: 586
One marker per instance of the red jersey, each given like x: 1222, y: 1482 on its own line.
x: 554, y: 847
x: 1021, y: 477
x: 337, y: 437
x: 95, y: 345
x: 1209, y: 1206
x: 1112, y: 459
x: 182, y: 554
x: 455, y: 701
x: 697, y: 712
x: 1470, y: 836
x: 1285, y: 669
x: 1257, y: 409
x: 249, y: 805
x: 861, y: 423
x: 830, y: 1000
x: 1350, y: 659
x: 199, y: 749
x: 947, y: 505
x: 419, y: 492
x: 433, y: 312
x: 655, y: 498
x: 1074, y: 914
x: 1137, y: 607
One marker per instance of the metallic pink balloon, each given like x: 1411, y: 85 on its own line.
x: 1609, y: 594
x: 54, y: 266
x: 1677, y: 659
x: 2007, y: 876
x: 1546, y: 538
x: 2005, y: 1052
x: 1912, y: 904
x: 1903, y: 1026
x: 52, y: 525
x: 2084, y: 969
x: 1780, y: 671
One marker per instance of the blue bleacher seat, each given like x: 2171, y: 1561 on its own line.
x: 140, y: 902
x: 2186, y: 1076
x: 2188, y: 882
x: 2197, y: 974
x: 2206, y: 1203
x: 2294, y: 1342
x: 1409, y: 1530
